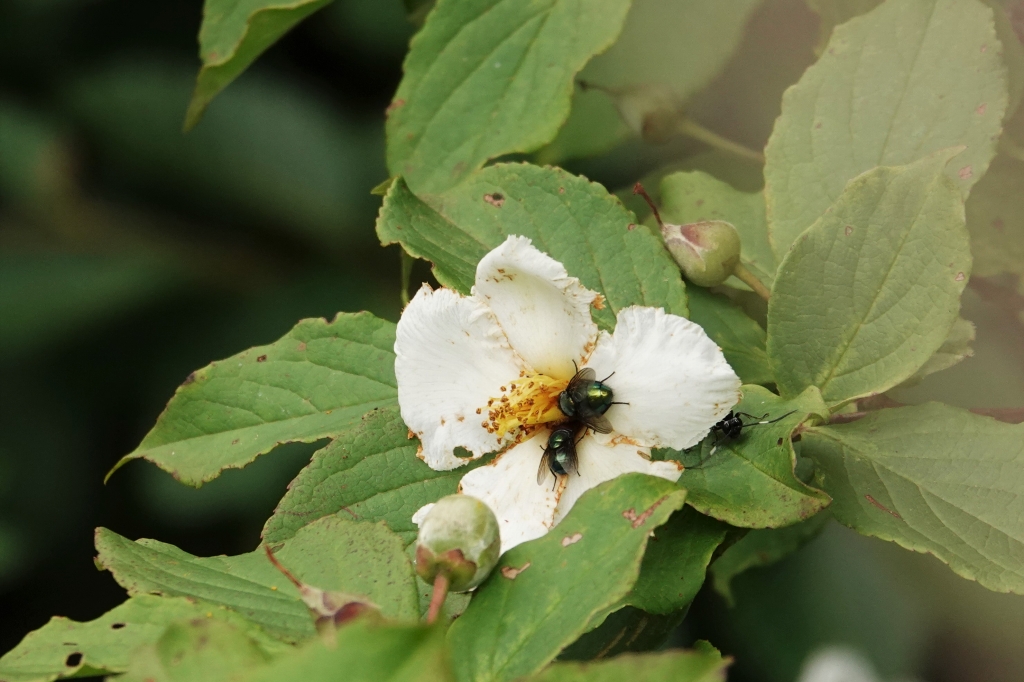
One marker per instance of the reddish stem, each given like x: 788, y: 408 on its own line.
x: 638, y: 188
x: 277, y: 564
x: 437, y: 599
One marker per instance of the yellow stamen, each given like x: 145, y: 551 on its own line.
x: 528, y: 401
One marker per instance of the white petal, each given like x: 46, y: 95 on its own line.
x: 675, y: 379
x: 421, y: 513
x: 508, y: 485
x: 602, y: 461
x: 545, y: 313
x: 451, y: 358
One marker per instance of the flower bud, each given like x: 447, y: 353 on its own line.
x: 707, y: 251
x: 459, y: 538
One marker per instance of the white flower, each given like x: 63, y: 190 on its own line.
x: 483, y: 372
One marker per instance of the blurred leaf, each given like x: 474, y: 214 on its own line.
x: 363, y: 559
x: 740, y: 338
x: 867, y: 294
x: 32, y: 156
x: 314, y: 382
x: 364, y: 652
x: 834, y: 592
x: 831, y: 13
x: 995, y: 219
x: 370, y: 471
x: 270, y: 151
x: 675, y: 45
x: 934, y: 479
x: 233, y: 34
x: 749, y: 481
x: 895, y: 85
x: 484, y: 78
x: 194, y: 651
x: 695, y: 196
x: 533, y: 605
x: 48, y: 297
x: 678, y: 666
x: 627, y: 630
x: 1005, y: 13
x: 677, y: 557
x: 762, y: 547
x: 104, y: 644
x: 573, y: 220
x: 955, y: 348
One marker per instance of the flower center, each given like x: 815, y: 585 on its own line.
x: 527, y: 401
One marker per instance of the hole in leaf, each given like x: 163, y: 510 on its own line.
x: 117, y: 626
x: 73, y: 660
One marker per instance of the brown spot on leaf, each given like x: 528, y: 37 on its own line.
x: 980, y: 110
x: 638, y: 520
x: 561, y: 190
x: 512, y: 573
x: 497, y: 199
x: 965, y: 173
x: 571, y: 539
x: 235, y: 441
x: 301, y: 347
x: 397, y: 104
x: 849, y: 230
x: 700, y: 202
x: 262, y: 358
x: 631, y: 227
x: 998, y: 224
x: 959, y: 277
x: 817, y: 125
x: 189, y: 379
x: 881, y: 506
x: 116, y: 626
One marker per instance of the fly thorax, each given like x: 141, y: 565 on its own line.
x: 528, y: 401
x: 599, y: 397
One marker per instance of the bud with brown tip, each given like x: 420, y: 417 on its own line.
x: 708, y: 251
x: 459, y: 539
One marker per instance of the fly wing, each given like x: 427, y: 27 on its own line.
x: 598, y: 422
x: 577, y: 388
x: 545, y: 466
x: 572, y: 460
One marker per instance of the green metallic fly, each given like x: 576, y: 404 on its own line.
x: 587, y: 399
x: 560, y: 458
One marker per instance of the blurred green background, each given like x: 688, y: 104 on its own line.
x: 131, y: 254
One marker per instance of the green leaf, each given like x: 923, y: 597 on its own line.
x: 894, y: 85
x: 995, y: 219
x: 105, y: 643
x: 363, y: 559
x: 762, y: 547
x: 934, y: 479
x: 369, y: 472
x: 233, y: 34
x: 741, y: 339
x: 870, y: 292
x: 955, y: 348
x: 484, y: 78
x: 695, y: 196
x: 677, y: 557
x: 365, y: 652
x: 194, y: 651
x: 544, y: 592
x: 678, y: 666
x: 749, y: 482
x: 573, y: 220
x: 313, y: 383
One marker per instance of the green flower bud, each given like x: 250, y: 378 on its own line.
x: 707, y: 252
x: 459, y: 538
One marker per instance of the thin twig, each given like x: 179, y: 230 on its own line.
x: 638, y: 188
x: 695, y: 130
x: 748, y: 278
x: 441, y: 584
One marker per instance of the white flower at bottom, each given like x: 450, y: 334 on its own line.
x: 484, y: 372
